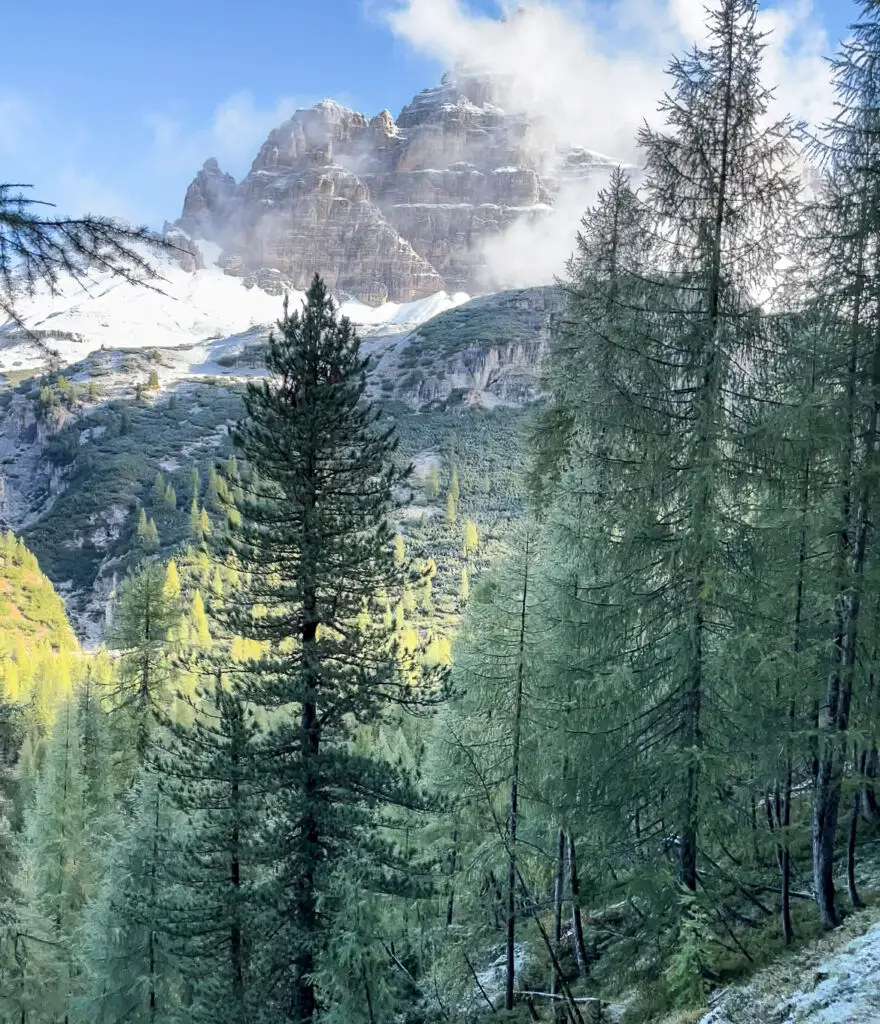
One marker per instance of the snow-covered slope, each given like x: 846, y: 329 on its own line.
x: 833, y: 981
x: 183, y: 310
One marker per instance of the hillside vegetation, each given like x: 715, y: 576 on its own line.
x: 414, y: 701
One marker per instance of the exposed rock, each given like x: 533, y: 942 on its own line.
x: 484, y: 352
x: 206, y: 200
x: 185, y: 251
x: 271, y: 281
x: 384, y: 209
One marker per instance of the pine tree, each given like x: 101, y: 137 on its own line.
x: 171, y: 587
x: 432, y: 481
x: 316, y: 546
x: 657, y: 373
x: 195, y: 521
x: 210, y: 915
x: 147, y: 532
x: 204, y: 524
x: 217, y: 491
x: 61, y: 844
x: 170, y: 498
x: 201, y: 634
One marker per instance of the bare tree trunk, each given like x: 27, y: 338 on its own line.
x: 453, y: 860
x: 558, y: 888
x: 580, y: 949
x: 853, y: 549
x: 854, y: 897
x: 785, y: 864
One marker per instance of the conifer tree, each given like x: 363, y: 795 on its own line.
x: 470, y: 538
x: 453, y: 484
x: 195, y: 520
x: 316, y: 546
x: 61, y: 844
x: 657, y: 374
x: 130, y: 967
x: 171, y: 587
x: 851, y: 293
x: 432, y: 481
x: 139, y: 631
x: 484, y: 740
x: 210, y: 914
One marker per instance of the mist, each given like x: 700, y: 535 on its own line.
x: 591, y: 74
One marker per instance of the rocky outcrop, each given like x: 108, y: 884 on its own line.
x: 384, y: 209
x: 485, y: 352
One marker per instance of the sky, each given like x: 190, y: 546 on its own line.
x: 111, y: 108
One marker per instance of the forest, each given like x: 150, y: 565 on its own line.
x: 640, y: 757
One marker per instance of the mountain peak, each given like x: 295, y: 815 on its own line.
x: 382, y: 209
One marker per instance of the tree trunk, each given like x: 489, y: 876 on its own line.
x: 580, y: 949
x: 235, y: 936
x: 868, y: 771
x: 453, y: 860
x: 152, y: 935
x: 852, y: 547
x: 854, y: 897
x: 558, y: 888
x: 513, y: 819
x: 785, y: 864
x: 304, y: 1002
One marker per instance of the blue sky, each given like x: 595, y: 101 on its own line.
x: 112, y: 106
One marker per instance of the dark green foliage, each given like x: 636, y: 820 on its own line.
x: 316, y: 545
x: 211, y: 916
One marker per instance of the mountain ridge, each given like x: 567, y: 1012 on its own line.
x: 387, y: 209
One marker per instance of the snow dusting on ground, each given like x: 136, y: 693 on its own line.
x: 820, y: 986
x: 184, y: 311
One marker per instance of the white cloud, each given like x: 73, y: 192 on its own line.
x: 237, y: 129
x: 592, y: 71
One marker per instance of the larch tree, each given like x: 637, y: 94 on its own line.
x: 483, y: 747
x: 851, y: 291
x: 36, y: 249
x: 656, y: 373
x: 139, y: 631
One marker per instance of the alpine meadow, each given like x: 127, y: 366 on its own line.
x: 448, y: 651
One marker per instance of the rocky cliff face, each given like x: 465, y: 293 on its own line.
x: 384, y: 209
x: 486, y: 352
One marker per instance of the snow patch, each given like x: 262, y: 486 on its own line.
x: 185, y: 311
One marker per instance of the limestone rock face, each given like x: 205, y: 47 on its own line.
x: 206, y: 200
x: 384, y: 209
